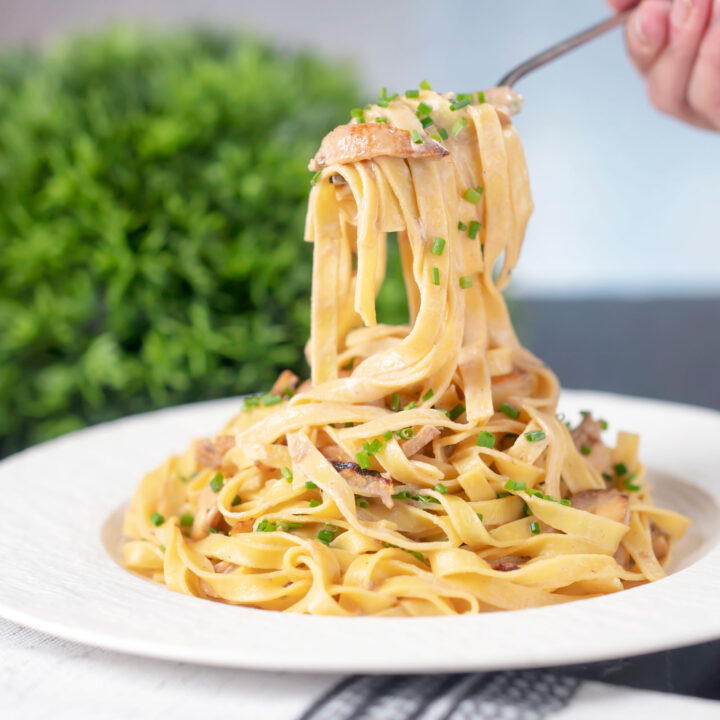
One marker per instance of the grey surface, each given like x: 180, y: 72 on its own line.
x: 667, y: 349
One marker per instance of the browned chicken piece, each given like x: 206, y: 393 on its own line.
x: 207, y: 514
x: 660, y: 543
x: 305, y: 385
x: 610, y: 503
x: 287, y: 379
x: 352, y: 143
x: 586, y: 437
x: 506, y: 564
x: 335, y: 453
x: 415, y: 444
x: 224, y: 567
x: 369, y: 483
x: 210, y: 454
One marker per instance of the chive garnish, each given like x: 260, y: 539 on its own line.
x: 403, y: 495
x: 416, y: 137
x: 314, y: 179
x: 480, y: 516
x: 381, y: 119
x: 473, y: 229
x: 186, y: 520
x: 374, y: 447
x: 515, y: 485
x: 502, y: 494
x: 395, y: 402
x: 327, y: 533
x: 286, y: 472
x: 473, y: 195
x: 509, y: 410
x: 443, y: 133
x: 362, y: 502
x: 435, y: 276
x: 423, y: 109
x: 411, y: 405
x: 458, y: 125
x: 425, y: 498
x: 460, y: 104
x: 465, y: 282
x: 217, y: 482
x: 387, y: 435
x: 438, y: 246
x: 406, y: 433
x: 428, y: 395
x: 535, y: 436
x: 310, y: 485
x: 266, y: 526
x: 441, y: 489
x: 363, y: 459
x: 314, y: 502
x: 485, y: 439
x: 620, y: 469
x: 481, y: 96
x: 270, y: 399
x: 535, y: 528
x: 412, y: 93
x: 462, y: 226
x: 585, y: 449
x: 456, y: 412
x: 236, y: 501
x: 603, y: 424
x: 425, y: 85
x: 426, y: 122
x: 628, y: 482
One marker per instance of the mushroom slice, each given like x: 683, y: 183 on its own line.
x: 369, y: 483
x: 610, y: 503
x: 415, y: 444
x: 364, y: 141
x: 210, y: 453
x: 586, y: 437
x: 207, y: 514
x: 287, y: 380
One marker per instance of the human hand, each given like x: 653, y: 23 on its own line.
x: 675, y: 45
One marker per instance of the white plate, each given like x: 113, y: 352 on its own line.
x: 61, y: 507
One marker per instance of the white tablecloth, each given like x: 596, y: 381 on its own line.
x: 44, y: 677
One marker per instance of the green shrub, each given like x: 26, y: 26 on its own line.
x: 152, y: 201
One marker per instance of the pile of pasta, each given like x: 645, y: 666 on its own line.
x: 423, y: 469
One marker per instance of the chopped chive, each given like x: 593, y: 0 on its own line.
x: 286, y: 526
x: 459, y: 125
x: 485, y: 439
x: 373, y: 447
x: 425, y: 498
x: 402, y: 495
x: 357, y: 113
x: 425, y: 85
x: 162, y: 547
x: 348, y: 424
x: 236, y: 501
x: 349, y: 364
x: 417, y: 555
x: 270, y: 399
x: 381, y: 119
x: 509, y: 410
x: 214, y: 531
x: 511, y: 436
x: 526, y: 510
x: 428, y: 395
x: 412, y: 93
x: 310, y: 485
x: 502, y: 494
x: 481, y: 96
x: 584, y: 413
x: 217, y: 482
x: 362, y: 502
x: 456, y: 412
x: 363, y: 459
x: 327, y: 533
x: 620, y: 469
x: 459, y: 104
x: 387, y: 435
x: 465, y: 282
x: 462, y: 226
x: 266, y: 526
x: 416, y: 137
x: 515, y: 485
x: 383, y: 93
x: 435, y: 276
x: 406, y: 433
x: 315, y: 177
x: 435, y: 137
x: 535, y: 493
x: 473, y: 195
x: 383, y: 103
x: 480, y: 516
x: 603, y: 424
x: 473, y: 229
x: 535, y: 528
x: 426, y: 122
x: 186, y: 519
x: 411, y: 405
x: 585, y: 449
x: 438, y: 246
x: 390, y: 98
x: 253, y: 401
x: 607, y: 476
x: 314, y: 502
x: 423, y: 109
x: 535, y: 436
x: 441, y: 489
x: 628, y: 483
x: 395, y: 402
x: 443, y: 133
x: 286, y: 472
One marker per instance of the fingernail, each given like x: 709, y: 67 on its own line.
x: 647, y: 29
x: 680, y: 12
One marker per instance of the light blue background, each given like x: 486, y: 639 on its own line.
x: 627, y: 201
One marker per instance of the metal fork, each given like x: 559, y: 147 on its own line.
x: 563, y: 47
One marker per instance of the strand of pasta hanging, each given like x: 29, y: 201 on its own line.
x: 422, y: 469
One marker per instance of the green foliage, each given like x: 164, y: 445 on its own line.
x: 152, y: 201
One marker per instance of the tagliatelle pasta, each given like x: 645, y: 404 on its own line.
x: 423, y: 470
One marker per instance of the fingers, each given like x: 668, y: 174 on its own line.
x: 647, y: 33
x: 669, y: 75
x: 704, y: 88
